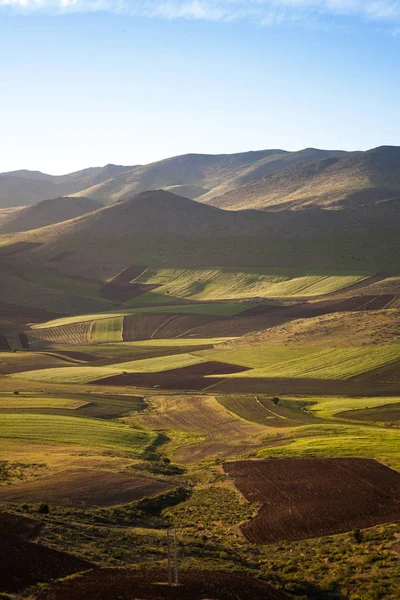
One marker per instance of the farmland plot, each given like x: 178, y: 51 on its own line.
x: 309, y: 497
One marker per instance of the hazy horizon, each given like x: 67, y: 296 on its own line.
x: 88, y: 83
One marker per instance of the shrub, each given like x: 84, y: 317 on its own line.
x: 43, y: 508
x: 358, y: 536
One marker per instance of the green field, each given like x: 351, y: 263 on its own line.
x: 262, y: 410
x: 87, y: 374
x: 70, y: 430
x: 227, y: 309
x: 309, y: 362
x: 330, y: 407
x: 37, y: 401
x: 222, y: 283
x: 108, y: 330
x: 336, y: 439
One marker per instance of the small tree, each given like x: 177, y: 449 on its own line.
x: 358, y: 536
x: 43, y: 508
x: 275, y: 401
x: 16, y: 393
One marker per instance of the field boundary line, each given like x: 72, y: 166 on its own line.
x: 271, y: 411
x: 163, y: 325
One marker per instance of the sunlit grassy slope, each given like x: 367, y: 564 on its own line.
x: 338, y: 440
x: 73, y: 430
x: 219, y: 283
x: 87, y: 374
x: 221, y: 308
x: 108, y: 330
x: 309, y: 362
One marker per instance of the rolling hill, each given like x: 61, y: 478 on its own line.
x: 21, y: 188
x: 200, y: 176
x: 45, y: 213
x: 355, y: 180
x: 161, y: 228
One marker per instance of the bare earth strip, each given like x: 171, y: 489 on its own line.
x: 312, y: 497
x: 84, y: 488
x: 221, y: 434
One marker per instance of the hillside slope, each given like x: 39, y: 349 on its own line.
x: 21, y: 188
x: 161, y: 228
x: 200, y: 176
x: 46, y: 212
x: 357, y: 179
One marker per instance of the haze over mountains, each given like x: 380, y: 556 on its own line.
x: 20, y: 188
x: 312, y: 208
x: 262, y: 180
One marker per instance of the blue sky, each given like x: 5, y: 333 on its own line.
x: 88, y: 82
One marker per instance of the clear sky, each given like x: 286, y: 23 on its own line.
x: 89, y: 82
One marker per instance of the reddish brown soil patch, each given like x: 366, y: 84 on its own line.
x: 380, y: 302
x: 24, y: 563
x: 124, y: 584
x: 121, y: 289
x: 312, y: 497
x: 185, y: 378
x: 59, y: 257
x: 142, y: 327
x: 17, y: 248
x: 183, y: 325
x: 71, y: 356
x: 18, y: 525
x: 329, y: 387
x: 84, y: 488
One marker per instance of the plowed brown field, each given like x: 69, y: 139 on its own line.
x: 312, y: 497
x: 18, y: 525
x: 121, y: 289
x: 24, y: 563
x: 17, y: 248
x: 325, y: 387
x: 84, y: 488
x: 185, y: 378
x: 124, y: 584
x: 142, y: 327
x: 219, y: 432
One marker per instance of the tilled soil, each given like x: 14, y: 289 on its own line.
x: 124, y: 584
x: 17, y: 248
x: 313, y: 497
x: 24, y: 563
x: 18, y: 525
x: 189, y: 378
x: 121, y: 289
x: 84, y: 488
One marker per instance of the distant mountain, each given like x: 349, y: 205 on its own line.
x: 45, y: 213
x: 22, y: 188
x: 200, y: 176
x: 354, y: 180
